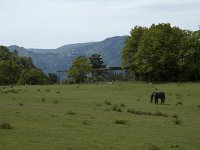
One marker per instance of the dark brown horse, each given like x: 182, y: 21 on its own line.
x: 156, y: 96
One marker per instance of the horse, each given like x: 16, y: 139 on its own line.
x: 156, y: 96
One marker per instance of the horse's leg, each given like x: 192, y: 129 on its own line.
x: 156, y: 100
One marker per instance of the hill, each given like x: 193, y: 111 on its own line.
x: 51, y: 60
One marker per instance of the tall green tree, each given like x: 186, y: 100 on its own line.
x: 191, y: 56
x: 9, y: 72
x: 80, y: 67
x: 53, y: 78
x: 131, y: 47
x: 156, y: 53
x: 97, y: 64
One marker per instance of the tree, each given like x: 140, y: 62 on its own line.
x: 191, y: 55
x: 15, y: 69
x: 53, y: 78
x: 9, y: 72
x: 154, y: 53
x: 131, y: 47
x: 33, y: 76
x: 80, y: 67
x: 97, y: 64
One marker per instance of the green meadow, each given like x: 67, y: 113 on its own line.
x: 100, y: 117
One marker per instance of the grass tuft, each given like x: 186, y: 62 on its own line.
x: 107, y: 102
x: 85, y: 122
x: 116, y: 108
x: 43, y: 100
x: 179, y: 103
x: 178, y: 121
x: 153, y: 147
x: 55, y: 101
x: 120, y: 121
x: 70, y: 113
x: 122, y: 105
x: 175, y: 116
x: 21, y: 104
x: 6, y: 125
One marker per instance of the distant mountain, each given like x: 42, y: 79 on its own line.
x: 52, y: 60
x: 59, y: 49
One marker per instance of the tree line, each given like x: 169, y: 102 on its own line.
x: 21, y: 70
x: 162, y: 53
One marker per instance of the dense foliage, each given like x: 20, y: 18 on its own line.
x: 162, y: 53
x: 97, y: 64
x: 15, y: 69
x: 80, y: 67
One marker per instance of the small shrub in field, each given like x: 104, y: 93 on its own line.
x: 138, y: 99
x: 175, y: 116
x: 55, y: 101
x: 21, y: 104
x: 48, y: 90
x: 160, y: 114
x: 107, y: 102
x: 70, y: 113
x: 106, y: 109
x: 5, y: 126
x: 122, y: 105
x: 153, y: 147
x: 38, y: 90
x: 58, y: 92
x: 138, y: 112
x: 198, y: 106
x: 120, y: 121
x: 177, y: 121
x: 85, y: 122
x: 98, y: 104
x: 179, y: 103
x: 116, y: 108
x: 43, y: 100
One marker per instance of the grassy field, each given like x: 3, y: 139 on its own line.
x: 100, y: 117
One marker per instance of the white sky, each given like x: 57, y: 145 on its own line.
x: 53, y: 23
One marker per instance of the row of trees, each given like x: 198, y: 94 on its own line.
x: 20, y: 70
x: 162, y: 53
x: 82, y: 65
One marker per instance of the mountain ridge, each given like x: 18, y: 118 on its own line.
x: 51, y: 60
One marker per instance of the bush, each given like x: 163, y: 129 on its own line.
x: 107, y: 102
x: 85, y: 122
x: 5, y: 126
x: 153, y: 147
x: 175, y: 116
x: 122, y: 105
x: 120, y: 121
x: 70, y: 113
x: 116, y: 108
x: 177, y: 121
x: 55, y: 101
x: 21, y: 104
x: 179, y: 103
x: 43, y: 100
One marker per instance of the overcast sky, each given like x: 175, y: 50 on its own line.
x: 53, y: 23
